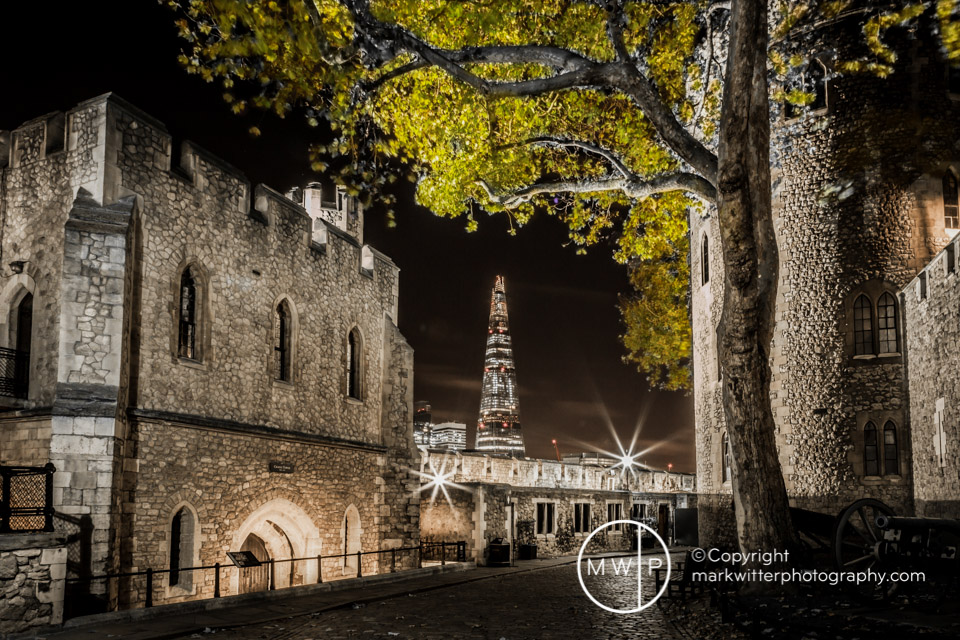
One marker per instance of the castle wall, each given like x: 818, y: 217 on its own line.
x: 933, y: 350
x: 857, y: 209
x: 140, y: 436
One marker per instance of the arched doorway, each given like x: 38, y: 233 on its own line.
x: 254, y: 579
x: 284, y: 530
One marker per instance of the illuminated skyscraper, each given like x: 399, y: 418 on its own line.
x: 498, y: 428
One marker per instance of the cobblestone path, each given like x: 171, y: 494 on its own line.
x: 547, y: 603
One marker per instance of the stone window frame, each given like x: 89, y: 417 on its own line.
x: 294, y: 339
x: 14, y: 291
x: 726, y: 479
x: 552, y: 533
x: 951, y: 172
x: 204, y: 310
x: 704, y: 258
x: 873, y: 290
x: 349, y: 563
x: 188, y: 583
x: 826, y: 64
x: 358, y: 394
x: 616, y: 529
x: 585, y: 527
x: 855, y: 454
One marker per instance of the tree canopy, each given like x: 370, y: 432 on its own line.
x: 602, y: 113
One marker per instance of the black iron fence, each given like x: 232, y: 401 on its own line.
x: 26, y: 499
x: 14, y: 373
x: 440, y: 552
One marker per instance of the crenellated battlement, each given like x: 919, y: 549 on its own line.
x: 112, y: 149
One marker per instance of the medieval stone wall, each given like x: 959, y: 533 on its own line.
x: 101, y: 233
x: 933, y: 350
x: 32, y: 570
x: 857, y: 209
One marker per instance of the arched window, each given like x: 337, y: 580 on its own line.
x: 281, y: 341
x: 23, y: 338
x: 951, y: 206
x: 816, y: 77
x: 862, y: 326
x: 354, y: 363
x: 726, y: 473
x: 351, y: 540
x: 871, y: 464
x: 891, y: 458
x: 182, y: 536
x: 705, y: 260
x: 887, y: 324
x: 187, y: 339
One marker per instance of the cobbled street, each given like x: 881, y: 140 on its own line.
x: 547, y: 603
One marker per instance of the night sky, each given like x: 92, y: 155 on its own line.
x: 563, y: 312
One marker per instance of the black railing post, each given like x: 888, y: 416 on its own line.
x: 443, y: 553
x: 319, y: 568
x: 149, y: 600
x: 359, y: 566
x: 5, y: 502
x: 273, y: 578
x: 48, y: 506
x: 393, y: 560
x: 216, y: 580
x: 420, y: 555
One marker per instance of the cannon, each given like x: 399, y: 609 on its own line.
x: 869, y: 537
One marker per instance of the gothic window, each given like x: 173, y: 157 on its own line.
x: 727, y: 467
x: 891, y: 458
x: 951, y: 206
x: 887, y: 324
x: 23, y: 336
x: 862, y: 326
x: 281, y: 341
x: 871, y: 463
x: 817, y: 83
x: 705, y: 260
x: 354, y: 363
x: 545, y: 517
x: 812, y: 80
x: 182, y: 537
x: 187, y: 340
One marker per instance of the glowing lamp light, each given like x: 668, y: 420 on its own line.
x: 670, y: 467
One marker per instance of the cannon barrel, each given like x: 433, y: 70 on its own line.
x: 886, y: 523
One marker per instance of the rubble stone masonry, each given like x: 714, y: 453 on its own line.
x: 99, y: 226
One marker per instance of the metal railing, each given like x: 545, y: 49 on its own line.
x: 14, y: 373
x: 438, y: 550
x: 26, y: 499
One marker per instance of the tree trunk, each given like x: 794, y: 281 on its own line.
x: 750, y: 263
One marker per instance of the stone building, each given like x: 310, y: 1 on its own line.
x: 864, y: 195
x: 554, y: 505
x: 207, y: 363
x: 930, y: 303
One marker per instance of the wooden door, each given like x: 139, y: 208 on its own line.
x: 663, y: 522
x: 255, y: 578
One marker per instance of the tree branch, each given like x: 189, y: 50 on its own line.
x: 384, y: 42
x: 634, y: 188
x: 611, y: 157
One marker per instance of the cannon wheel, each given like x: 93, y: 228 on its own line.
x: 858, y: 542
